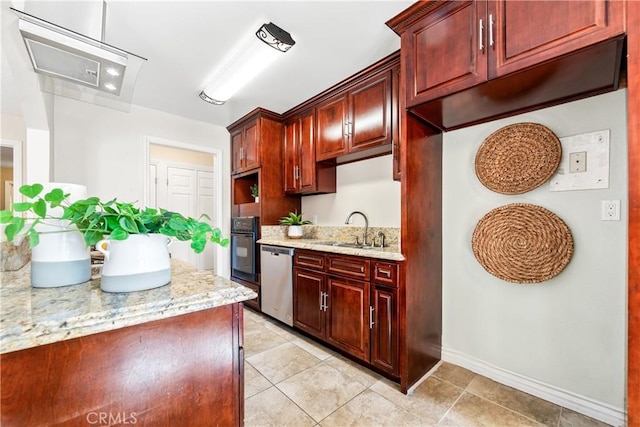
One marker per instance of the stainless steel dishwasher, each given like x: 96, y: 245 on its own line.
x: 276, y: 282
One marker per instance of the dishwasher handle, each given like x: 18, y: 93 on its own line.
x: 277, y: 250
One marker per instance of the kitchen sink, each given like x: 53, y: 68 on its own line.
x: 339, y: 244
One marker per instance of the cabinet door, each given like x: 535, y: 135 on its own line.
x: 369, y: 122
x: 331, y: 128
x: 291, y: 156
x: 348, y: 316
x: 568, y: 26
x: 236, y: 149
x: 308, y: 311
x: 384, y: 329
x: 307, y: 171
x: 445, y: 51
x: 251, y: 145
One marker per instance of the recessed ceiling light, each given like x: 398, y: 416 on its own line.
x: 113, y: 72
x: 110, y: 86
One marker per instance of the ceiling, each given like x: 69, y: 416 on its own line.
x: 184, y: 41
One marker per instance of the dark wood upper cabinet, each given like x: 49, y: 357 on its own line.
x: 302, y: 174
x: 332, y: 127
x: 355, y: 120
x: 245, y: 145
x: 518, y: 41
x: 454, y: 45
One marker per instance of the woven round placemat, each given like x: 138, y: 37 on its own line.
x: 518, y: 158
x: 522, y: 243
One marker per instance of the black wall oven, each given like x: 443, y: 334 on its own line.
x: 244, y: 249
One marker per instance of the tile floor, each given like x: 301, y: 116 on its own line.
x: 292, y: 381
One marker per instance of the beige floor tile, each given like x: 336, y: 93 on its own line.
x: 429, y: 401
x: 282, y: 330
x: 257, y: 338
x: 272, y: 408
x: 454, y: 374
x: 530, y: 406
x: 569, y: 418
x: 470, y: 410
x: 281, y: 362
x: 359, y: 373
x: 314, y: 348
x: 370, y: 409
x: 251, y: 315
x: 320, y: 390
x: 254, y: 382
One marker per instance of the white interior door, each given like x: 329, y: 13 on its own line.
x: 153, y: 185
x: 181, y: 197
x: 205, y: 196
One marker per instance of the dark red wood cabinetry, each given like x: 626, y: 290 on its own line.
x: 459, y: 44
x: 182, y: 370
x: 302, y: 174
x: 336, y: 301
x: 466, y: 62
x: 357, y: 119
x: 256, y: 142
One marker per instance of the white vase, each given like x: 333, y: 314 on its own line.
x: 295, y: 232
x: 138, y: 263
x: 61, y: 258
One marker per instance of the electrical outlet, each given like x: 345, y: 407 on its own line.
x: 578, y: 162
x: 611, y: 210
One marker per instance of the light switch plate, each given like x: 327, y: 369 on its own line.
x: 578, y: 162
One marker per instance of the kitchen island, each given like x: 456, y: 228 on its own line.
x: 75, y: 355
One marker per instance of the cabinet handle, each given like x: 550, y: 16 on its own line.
x: 490, y: 30
x: 371, y: 317
x: 321, y: 299
x: 480, y: 33
x: 296, y: 172
x: 384, y: 272
x: 325, y: 301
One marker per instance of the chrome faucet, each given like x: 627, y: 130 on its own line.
x: 366, y: 225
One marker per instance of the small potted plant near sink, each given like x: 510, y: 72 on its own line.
x: 295, y: 223
x: 134, y: 241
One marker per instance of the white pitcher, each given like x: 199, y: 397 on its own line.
x: 138, y: 263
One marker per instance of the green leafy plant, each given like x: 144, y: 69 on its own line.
x: 254, y: 190
x: 294, y: 219
x: 96, y: 219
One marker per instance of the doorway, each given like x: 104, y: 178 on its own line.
x: 10, y: 172
x: 184, y: 178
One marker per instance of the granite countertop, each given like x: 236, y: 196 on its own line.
x: 391, y: 253
x: 35, y: 316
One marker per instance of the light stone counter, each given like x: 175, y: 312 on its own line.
x: 314, y: 236
x: 30, y: 317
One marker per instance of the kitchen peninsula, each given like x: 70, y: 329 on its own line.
x: 166, y: 356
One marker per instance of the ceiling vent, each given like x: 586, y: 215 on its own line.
x: 76, y: 66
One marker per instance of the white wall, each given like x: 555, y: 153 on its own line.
x: 568, y: 332
x: 366, y: 186
x: 104, y: 150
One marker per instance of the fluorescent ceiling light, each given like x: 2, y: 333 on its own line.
x: 247, y: 59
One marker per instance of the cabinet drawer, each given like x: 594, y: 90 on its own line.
x: 385, y: 273
x: 349, y: 266
x: 309, y: 259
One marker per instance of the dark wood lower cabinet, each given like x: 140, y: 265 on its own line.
x: 185, y: 370
x: 384, y: 331
x: 348, y: 316
x: 335, y: 302
x: 308, y: 295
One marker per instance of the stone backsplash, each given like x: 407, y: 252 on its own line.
x: 345, y: 234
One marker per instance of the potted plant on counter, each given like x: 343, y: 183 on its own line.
x: 295, y: 223
x: 255, y: 193
x: 134, y: 241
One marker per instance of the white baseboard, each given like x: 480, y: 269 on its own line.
x: 584, y: 405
